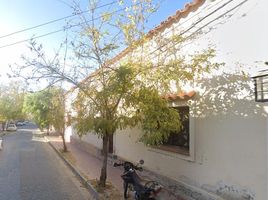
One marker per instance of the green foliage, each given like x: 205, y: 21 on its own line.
x: 131, y: 95
x: 37, y: 105
x: 102, y: 116
x: 106, y: 16
x: 156, y: 117
x: 57, y: 111
x: 46, y: 108
x: 11, y: 101
x: 123, y: 104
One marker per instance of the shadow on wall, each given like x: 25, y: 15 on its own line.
x: 230, y: 97
x: 226, y: 95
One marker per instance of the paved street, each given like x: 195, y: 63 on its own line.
x: 31, y: 170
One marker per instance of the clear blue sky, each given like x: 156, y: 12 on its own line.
x: 16, y: 15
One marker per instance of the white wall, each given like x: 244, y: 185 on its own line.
x: 90, y: 138
x: 230, y: 151
x: 230, y: 129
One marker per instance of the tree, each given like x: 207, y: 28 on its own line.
x: 38, y: 105
x: 47, y: 109
x: 117, y: 95
x: 11, y: 101
x: 130, y: 96
x: 57, y: 112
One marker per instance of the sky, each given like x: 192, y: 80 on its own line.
x: 17, y: 15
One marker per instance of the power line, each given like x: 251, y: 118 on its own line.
x: 233, y: 8
x: 200, y: 28
x: 196, y: 23
x: 60, y: 30
x: 55, y: 20
x: 116, y: 11
x: 188, y: 19
x: 63, y: 29
x: 39, y: 36
x: 197, y: 13
x: 211, y: 21
x: 220, y: 16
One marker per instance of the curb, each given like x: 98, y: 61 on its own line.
x: 92, y: 191
x: 3, y: 134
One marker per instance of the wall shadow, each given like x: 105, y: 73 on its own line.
x: 226, y: 95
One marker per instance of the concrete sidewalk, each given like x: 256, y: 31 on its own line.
x: 89, y: 166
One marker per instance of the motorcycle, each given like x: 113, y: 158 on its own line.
x: 132, y: 181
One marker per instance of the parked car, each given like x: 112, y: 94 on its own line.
x: 20, y: 123
x: 1, y: 143
x: 11, y: 127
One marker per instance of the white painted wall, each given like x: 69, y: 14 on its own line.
x: 230, y: 153
x: 90, y: 138
x: 230, y: 131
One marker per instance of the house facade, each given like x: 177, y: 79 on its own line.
x: 222, y: 153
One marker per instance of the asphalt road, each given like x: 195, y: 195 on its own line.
x: 31, y: 170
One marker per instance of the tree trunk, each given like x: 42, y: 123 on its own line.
x: 103, y: 175
x: 3, y: 126
x: 63, y: 141
x: 48, y: 130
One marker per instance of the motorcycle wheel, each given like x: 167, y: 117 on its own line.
x: 153, y: 185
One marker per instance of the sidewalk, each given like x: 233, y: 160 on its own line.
x: 89, y: 166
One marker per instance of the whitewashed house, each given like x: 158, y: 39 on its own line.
x: 223, y: 153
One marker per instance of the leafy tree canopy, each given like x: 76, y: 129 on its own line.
x: 38, y: 105
x: 11, y: 101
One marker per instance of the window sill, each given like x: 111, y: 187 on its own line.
x: 175, y: 152
x: 174, y: 149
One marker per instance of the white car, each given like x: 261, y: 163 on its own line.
x: 11, y: 127
x: 1, y: 143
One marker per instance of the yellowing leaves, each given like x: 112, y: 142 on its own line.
x: 106, y: 16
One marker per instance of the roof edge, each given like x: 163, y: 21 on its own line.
x: 182, y: 13
x: 188, y: 8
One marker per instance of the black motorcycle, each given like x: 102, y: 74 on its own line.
x: 132, y: 181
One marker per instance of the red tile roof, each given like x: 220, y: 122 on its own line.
x: 180, y: 96
x: 190, y: 7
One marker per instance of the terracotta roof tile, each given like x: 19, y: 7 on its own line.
x: 180, y: 96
